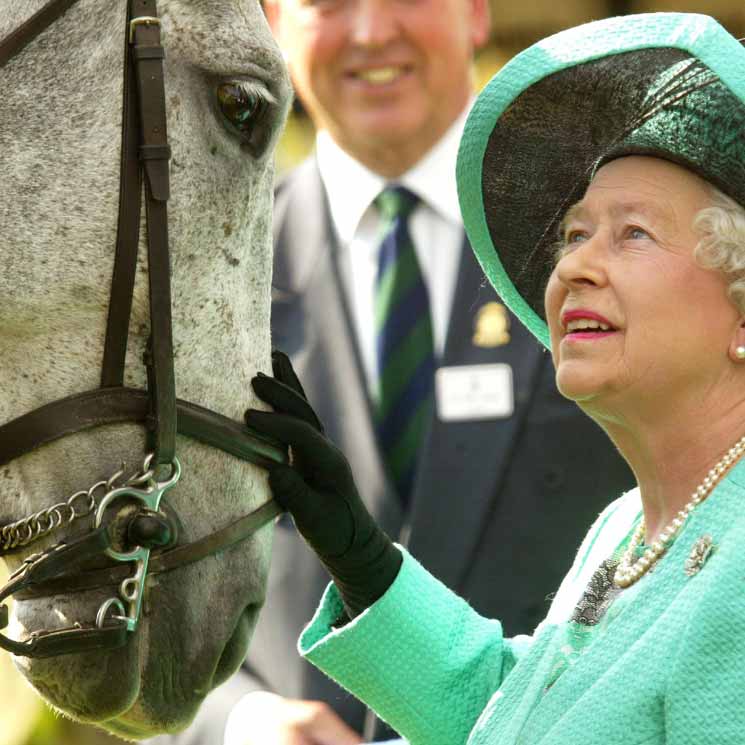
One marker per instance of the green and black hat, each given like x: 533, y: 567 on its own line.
x: 670, y: 85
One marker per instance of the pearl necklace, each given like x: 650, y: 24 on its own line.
x: 629, y: 569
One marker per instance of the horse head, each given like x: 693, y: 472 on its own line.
x: 226, y: 94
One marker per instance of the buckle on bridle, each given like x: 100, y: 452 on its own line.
x: 141, y: 21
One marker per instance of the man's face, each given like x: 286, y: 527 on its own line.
x: 386, y: 78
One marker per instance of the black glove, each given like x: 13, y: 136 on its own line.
x: 318, y: 490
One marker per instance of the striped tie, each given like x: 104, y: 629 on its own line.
x: 404, y: 343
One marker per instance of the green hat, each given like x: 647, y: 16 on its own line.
x: 670, y: 85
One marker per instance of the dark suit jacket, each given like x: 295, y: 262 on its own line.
x: 499, y: 506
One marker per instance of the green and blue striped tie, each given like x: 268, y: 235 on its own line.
x: 405, y: 350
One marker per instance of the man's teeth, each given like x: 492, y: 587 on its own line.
x: 586, y: 323
x: 381, y: 75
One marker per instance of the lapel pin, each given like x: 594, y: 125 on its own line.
x: 492, y: 326
x: 700, y: 553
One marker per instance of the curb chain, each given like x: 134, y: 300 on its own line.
x: 81, y: 504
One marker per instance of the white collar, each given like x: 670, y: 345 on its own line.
x: 351, y: 187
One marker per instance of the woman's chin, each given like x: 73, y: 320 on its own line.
x: 585, y: 380
x: 577, y: 388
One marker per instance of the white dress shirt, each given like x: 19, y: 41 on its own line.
x: 436, y: 228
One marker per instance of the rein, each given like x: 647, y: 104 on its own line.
x: 144, y: 163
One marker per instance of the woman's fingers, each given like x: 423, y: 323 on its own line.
x: 288, y: 488
x: 307, y: 443
x: 284, y: 372
x: 284, y: 399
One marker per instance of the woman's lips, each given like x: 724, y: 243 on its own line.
x: 583, y: 314
x: 588, y: 335
x: 583, y: 324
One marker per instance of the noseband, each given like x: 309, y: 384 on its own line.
x: 128, y: 519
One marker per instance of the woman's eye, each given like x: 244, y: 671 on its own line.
x: 637, y: 234
x: 242, y: 107
x: 574, y: 236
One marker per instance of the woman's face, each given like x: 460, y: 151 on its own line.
x: 661, y: 326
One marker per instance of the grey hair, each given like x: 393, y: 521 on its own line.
x: 722, y: 245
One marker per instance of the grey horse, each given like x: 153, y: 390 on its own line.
x: 60, y: 119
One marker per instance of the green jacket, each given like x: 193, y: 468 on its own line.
x: 665, y: 663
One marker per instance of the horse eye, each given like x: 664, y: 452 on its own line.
x: 242, y: 108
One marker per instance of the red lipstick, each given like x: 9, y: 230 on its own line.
x: 573, y: 315
x: 585, y: 334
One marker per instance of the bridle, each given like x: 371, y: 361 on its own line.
x: 140, y: 524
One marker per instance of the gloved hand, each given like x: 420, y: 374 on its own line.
x: 318, y: 489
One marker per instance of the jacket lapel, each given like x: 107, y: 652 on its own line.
x: 464, y: 462
x: 308, y: 285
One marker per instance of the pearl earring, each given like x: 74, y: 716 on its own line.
x: 740, y: 353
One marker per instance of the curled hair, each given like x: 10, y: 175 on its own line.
x: 722, y: 245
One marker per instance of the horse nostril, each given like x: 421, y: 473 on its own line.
x: 151, y: 530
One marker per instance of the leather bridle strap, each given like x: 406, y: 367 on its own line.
x: 166, y: 561
x: 110, y: 635
x: 144, y: 109
x: 147, y: 56
x: 127, y: 234
x: 28, y: 31
x: 33, y: 581
x: 117, y: 405
x: 48, y: 572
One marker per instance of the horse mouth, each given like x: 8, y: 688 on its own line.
x: 129, y: 724
x: 236, y: 647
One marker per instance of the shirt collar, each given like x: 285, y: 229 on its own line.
x: 432, y: 179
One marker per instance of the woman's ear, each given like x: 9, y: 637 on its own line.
x: 737, y: 345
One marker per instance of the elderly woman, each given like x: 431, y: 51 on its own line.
x: 627, y: 139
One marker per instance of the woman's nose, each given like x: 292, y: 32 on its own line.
x: 584, y: 262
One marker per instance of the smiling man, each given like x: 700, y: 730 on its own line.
x: 412, y: 362
x: 386, y: 79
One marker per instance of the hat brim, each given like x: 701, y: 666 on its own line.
x: 541, y: 124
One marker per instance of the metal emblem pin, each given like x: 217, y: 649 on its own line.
x: 492, y: 326
x: 701, y: 551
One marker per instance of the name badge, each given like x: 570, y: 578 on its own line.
x: 472, y: 392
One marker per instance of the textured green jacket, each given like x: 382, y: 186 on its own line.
x: 666, y: 664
